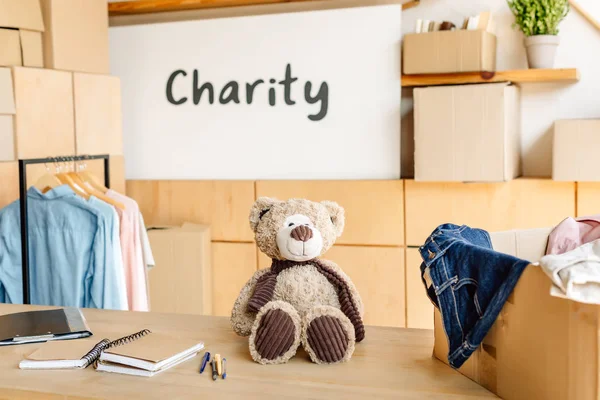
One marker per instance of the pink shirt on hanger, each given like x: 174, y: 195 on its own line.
x: 131, y: 246
x: 572, y: 233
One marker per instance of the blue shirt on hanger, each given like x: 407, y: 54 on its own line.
x: 71, y: 252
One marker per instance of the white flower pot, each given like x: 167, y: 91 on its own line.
x: 541, y: 50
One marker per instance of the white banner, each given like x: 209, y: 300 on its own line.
x: 308, y: 95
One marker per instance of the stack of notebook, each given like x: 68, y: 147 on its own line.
x: 141, y: 354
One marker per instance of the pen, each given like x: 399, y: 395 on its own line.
x: 219, y: 365
x: 205, y: 359
x: 214, y: 370
x: 224, y: 368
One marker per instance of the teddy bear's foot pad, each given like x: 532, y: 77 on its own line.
x: 327, y: 338
x: 275, y: 334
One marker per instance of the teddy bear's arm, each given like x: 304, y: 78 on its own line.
x: 353, y: 291
x: 241, y: 318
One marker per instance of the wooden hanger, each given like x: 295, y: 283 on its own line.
x: 47, y: 182
x: 93, y: 191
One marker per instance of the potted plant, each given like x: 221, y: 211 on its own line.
x: 539, y: 19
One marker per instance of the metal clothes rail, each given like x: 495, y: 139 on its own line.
x: 23, y: 205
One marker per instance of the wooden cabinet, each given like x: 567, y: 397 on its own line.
x: 378, y: 273
x: 419, y: 310
x: 233, y: 265
x: 224, y: 205
x: 520, y: 204
x: 588, y: 198
x: 374, y: 209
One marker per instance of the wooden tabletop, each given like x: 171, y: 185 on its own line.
x: 390, y: 363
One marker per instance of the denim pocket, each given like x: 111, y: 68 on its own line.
x: 467, y: 303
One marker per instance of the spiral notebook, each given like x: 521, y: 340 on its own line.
x: 73, y: 354
x: 149, y: 355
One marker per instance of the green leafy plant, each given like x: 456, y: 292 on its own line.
x: 539, y: 17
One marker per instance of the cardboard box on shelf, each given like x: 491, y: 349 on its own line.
x: 21, y: 14
x: 21, y: 48
x: 449, y: 52
x: 32, y: 48
x: 574, y: 154
x: 540, y: 347
x: 467, y: 133
x: 98, y: 119
x: 44, y: 121
x: 181, y: 281
x: 10, y: 43
x: 76, y: 36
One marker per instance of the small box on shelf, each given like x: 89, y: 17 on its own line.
x: 575, y: 150
x: 468, y: 133
x: 449, y: 52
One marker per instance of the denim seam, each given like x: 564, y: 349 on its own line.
x: 440, y: 289
x: 443, y: 263
x: 454, y: 303
x: 477, y: 306
x: 465, y: 281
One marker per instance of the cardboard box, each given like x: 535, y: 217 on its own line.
x: 181, y: 281
x: 541, y: 347
x: 419, y: 309
x: 44, y: 121
x: 449, y: 52
x: 10, y: 48
x: 76, y: 36
x: 21, y: 14
x: 468, y: 133
x: 98, y: 119
x: 7, y: 95
x: 574, y: 154
x: 32, y: 48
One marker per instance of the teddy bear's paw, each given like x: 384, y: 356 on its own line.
x: 275, y: 334
x: 328, y: 335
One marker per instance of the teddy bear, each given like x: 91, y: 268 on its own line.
x: 301, y: 299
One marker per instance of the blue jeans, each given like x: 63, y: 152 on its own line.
x: 468, y: 282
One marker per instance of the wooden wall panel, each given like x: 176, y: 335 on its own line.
x: 233, y: 265
x: 374, y: 211
x: 117, y: 172
x: 419, y: 310
x: 520, y: 204
x: 9, y: 182
x: 378, y: 273
x: 224, y: 205
x: 588, y: 198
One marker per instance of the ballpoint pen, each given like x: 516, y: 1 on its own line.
x: 219, y: 365
x: 224, y: 368
x: 215, y: 374
x: 205, y: 359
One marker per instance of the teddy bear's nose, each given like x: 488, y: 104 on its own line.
x: 302, y: 233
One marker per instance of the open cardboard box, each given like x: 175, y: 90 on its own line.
x: 541, y: 347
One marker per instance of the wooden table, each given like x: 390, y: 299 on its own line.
x: 390, y: 363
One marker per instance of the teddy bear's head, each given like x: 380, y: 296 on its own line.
x: 297, y: 229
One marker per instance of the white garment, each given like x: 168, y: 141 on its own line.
x: 147, y: 255
x: 575, y: 274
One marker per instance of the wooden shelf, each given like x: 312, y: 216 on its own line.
x: 566, y: 75
x: 156, y: 6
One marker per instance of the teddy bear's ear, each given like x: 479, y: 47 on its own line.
x: 336, y: 213
x: 260, y: 208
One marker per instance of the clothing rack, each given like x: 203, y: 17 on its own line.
x: 23, y: 204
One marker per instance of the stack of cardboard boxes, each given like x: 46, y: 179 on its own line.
x: 465, y: 133
x: 56, y: 97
